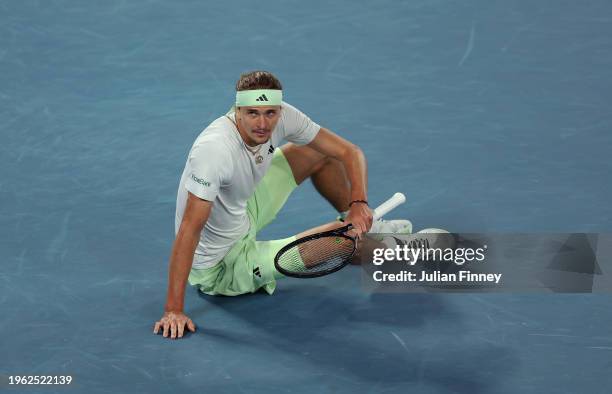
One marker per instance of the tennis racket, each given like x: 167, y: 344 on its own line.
x: 326, y: 252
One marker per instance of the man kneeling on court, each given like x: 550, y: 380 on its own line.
x: 236, y: 180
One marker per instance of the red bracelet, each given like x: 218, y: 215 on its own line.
x: 360, y: 201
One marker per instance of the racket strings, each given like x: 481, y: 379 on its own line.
x: 317, y: 255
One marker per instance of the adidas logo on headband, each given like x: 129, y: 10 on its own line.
x: 259, y: 97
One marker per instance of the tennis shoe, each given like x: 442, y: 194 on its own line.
x: 381, y: 226
x: 429, y: 238
x: 397, y: 226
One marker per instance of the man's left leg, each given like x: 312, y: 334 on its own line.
x: 291, y: 167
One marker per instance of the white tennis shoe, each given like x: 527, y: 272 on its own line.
x: 430, y: 238
x: 397, y: 226
x: 381, y: 226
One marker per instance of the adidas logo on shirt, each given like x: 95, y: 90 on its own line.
x: 262, y: 98
x: 256, y: 272
x: 271, y: 149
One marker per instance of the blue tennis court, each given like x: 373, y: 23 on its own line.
x: 491, y: 116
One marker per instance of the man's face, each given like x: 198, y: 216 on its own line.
x: 256, y: 123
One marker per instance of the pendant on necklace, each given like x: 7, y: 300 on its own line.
x: 258, y: 159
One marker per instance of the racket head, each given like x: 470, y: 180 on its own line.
x: 316, y: 254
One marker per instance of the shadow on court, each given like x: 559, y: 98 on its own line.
x: 395, y: 340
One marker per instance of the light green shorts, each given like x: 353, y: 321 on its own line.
x: 249, y: 265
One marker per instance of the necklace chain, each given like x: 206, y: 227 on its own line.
x: 251, y: 150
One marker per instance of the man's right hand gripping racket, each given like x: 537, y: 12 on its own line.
x: 323, y: 253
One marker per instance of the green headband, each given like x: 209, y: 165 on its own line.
x: 258, y: 97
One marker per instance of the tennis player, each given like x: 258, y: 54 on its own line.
x: 237, y: 179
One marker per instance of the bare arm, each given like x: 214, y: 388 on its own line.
x: 351, y: 156
x: 195, y: 216
x: 354, y: 162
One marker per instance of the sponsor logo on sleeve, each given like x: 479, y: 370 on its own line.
x: 200, y: 181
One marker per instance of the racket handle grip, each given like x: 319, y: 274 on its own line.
x: 389, y: 205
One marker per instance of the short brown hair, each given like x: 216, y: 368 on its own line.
x: 258, y: 80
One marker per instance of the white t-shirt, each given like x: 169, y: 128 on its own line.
x: 220, y: 169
